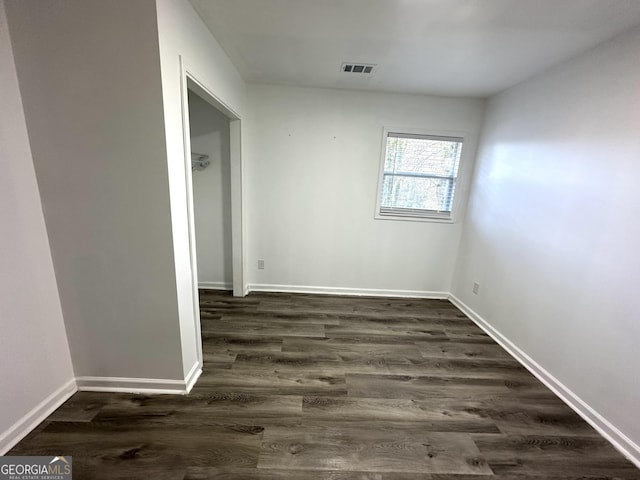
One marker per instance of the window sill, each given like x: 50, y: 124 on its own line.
x: 416, y: 218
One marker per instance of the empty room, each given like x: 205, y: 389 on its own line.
x: 319, y: 239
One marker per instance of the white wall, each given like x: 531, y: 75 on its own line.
x: 209, y: 130
x: 89, y: 75
x: 314, y: 158
x: 552, y: 230
x: 183, y: 34
x: 34, y: 356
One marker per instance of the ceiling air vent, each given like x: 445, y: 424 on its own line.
x: 365, y: 68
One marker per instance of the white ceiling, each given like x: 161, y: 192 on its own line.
x: 442, y: 47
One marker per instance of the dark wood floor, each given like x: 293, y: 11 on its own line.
x: 319, y: 387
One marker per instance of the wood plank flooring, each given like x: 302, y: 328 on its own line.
x: 312, y: 387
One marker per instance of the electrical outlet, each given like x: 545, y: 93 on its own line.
x: 260, y: 264
x: 476, y: 288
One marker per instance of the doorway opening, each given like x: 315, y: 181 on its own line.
x: 214, y: 193
x: 211, y: 188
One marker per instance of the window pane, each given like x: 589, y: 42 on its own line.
x: 422, y: 193
x: 420, y: 172
x: 422, y: 155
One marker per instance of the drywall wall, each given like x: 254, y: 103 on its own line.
x: 552, y: 230
x: 312, y: 178
x: 211, y: 194
x: 34, y: 356
x: 89, y: 74
x: 183, y: 36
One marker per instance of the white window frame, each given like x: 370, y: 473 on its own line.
x: 416, y: 215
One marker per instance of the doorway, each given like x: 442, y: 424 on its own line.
x: 211, y: 187
x: 230, y: 238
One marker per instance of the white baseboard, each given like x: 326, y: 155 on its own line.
x: 31, y: 420
x: 610, y: 432
x: 369, y: 292
x: 38, y: 414
x: 215, y: 285
x: 133, y: 385
x: 192, y: 377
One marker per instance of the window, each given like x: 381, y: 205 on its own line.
x: 419, y: 174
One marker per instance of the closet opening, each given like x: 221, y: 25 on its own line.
x: 214, y: 193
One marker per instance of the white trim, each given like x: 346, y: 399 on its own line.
x: 206, y: 93
x: 193, y: 262
x: 131, y: 385
x: 215, y: 285
x: 192, y: 377
x: 610, y: 432
x: 238, y: 216
x: 10, y: 437
x: 370, y: 292
x: 409, y: 218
